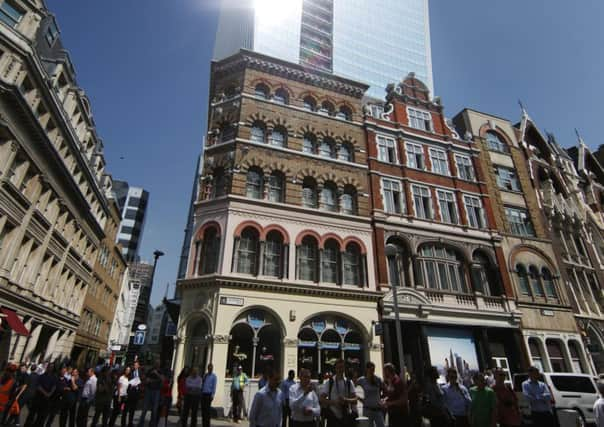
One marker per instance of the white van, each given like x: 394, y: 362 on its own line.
x: 576, y: 392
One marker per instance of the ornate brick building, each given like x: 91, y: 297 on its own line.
x: 436, y: 239
x: 281, y: 261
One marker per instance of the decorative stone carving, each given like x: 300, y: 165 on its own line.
x: 221, y: 339
x: 376, y: 347
x: 290, y: 342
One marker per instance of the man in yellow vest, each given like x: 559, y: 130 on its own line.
x: 240, y: 381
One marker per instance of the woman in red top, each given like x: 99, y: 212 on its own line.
x: 508, y: 414
x: 182, y: 389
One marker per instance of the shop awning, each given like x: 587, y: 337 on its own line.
x: 14, y: 322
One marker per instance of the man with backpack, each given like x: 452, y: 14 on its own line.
x: 339, y: 398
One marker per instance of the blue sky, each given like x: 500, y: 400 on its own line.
x: 145, y: 64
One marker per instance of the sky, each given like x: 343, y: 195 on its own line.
x: 144, y: 64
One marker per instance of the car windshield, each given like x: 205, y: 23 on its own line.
x: 573, y: 384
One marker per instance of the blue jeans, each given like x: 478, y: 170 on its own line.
x: 150, y: 402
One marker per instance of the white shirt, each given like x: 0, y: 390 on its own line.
x: 339, y: 388
x: 90, y: 388
x: 298, y: 401
x: 599, y: 412
x: 123, y: 386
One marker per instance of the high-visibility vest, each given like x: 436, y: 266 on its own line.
x: 5, y: 390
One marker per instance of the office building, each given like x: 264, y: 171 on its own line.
x: 133, y: 203
x: 375, y: 42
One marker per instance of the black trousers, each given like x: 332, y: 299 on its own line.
x: 237, y: 400
x: 206, y: 409
x: 119, y: 407
x: 543, y: 419
x: 190, y: 407
x: 131, y: 404
x: 101, y: 409
x: 286, y: 417
x: 68, y: 414
x: 295, y: 423
x: 83, y: 409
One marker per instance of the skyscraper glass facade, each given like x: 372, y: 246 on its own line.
x: 376, y: 42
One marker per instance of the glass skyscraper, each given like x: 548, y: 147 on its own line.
x: 373, y: 41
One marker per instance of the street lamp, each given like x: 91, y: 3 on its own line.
x: 392, y: 252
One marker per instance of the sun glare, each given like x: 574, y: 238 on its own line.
x: 271, y: 9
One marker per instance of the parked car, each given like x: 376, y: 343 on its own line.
x: 570, y: 392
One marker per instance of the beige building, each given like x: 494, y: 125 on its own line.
x: 551, y: 338
x: 54, y: 211
x: 281, y: 266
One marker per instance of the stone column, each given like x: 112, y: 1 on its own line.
x: 178, y: 361
x: 290, y: 355
x: 34, y: 336
x: 219, y: 357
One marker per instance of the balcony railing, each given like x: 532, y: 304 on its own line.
x: 475, y: 301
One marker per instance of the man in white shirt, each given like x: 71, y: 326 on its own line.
x: 88, y: 394
x: 339, y: 397
x: 599, y: 406
x: 267, y: 406
x: 304, y: 402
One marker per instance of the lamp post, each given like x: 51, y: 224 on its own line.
x: 399, y: 333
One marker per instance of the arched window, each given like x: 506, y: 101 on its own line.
x: 276, y: 186
x: 344, y: 113
x: 210, y: 247
x: 349, y: 200
x: 329, y: 267
x: 536, y: 286
x: 218, y: 183
x: 258, y: 132
x: 247, y: 252
x: 523, y: 282
x: 281, y: 96
x: 329, y: 197
x: 254, y: 183
x: 273, y: 254
x: 261, y: 91
x: 309, y: 193
x: 278, y: 137
x: 345, y: 152
x: 310, y: 104
x: 548, y: 283
x: 442, y: 269
x: 326, y: 108
x: 326, y: 148
x: 495, y: 143
x: 227, y: 132
x: 308, y: 258
x: 309, y: 145
x: 483, y: 275
x: 352, y: 265
x: 575, y: 356
x: 536, y: 356
x: 556, y: 357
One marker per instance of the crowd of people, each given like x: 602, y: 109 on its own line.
x: 103, y: 392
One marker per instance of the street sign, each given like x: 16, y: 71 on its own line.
x: 139, y: 338
x: 116, y: 347
x: 142, y: 327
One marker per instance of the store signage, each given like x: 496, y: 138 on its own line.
x: 549, y: 313
x: 141, y: 327
x: 117, y: 347
x: 378, y: 329
x: 237, y: 301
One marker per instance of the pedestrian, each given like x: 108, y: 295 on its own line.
x: 396, y: 397
x: 285, y: 386
x: 599, y: 406
x: 72, y: 389
x: 192, y: 399
x: 47, y: 385
x: 267, y: 406
x: 457, y: 400
x: 303, y: 401
x: 414, y: 391
x: 8, y: 387
x: 181, y: 380
x: 55, y: 403
x: 483, y: 412
x: 13, y: 411
x: 372, y: 386
x: 540, y: 399
x: 339, y: 398
x: 134, y: 392
x: 208, y: 391
x: 120, y: 397
x: 433, y: 404
x: 87, y: 398
x: 102, y: 399
x: 508, y: 412
x: 238, y: 385
x: 165, y: 396
x: 30, y: 393
x: 152, y: 383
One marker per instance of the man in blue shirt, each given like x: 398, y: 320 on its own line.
x: 457, y: 399
x: 267, y: 406
x: 540, y: 399
x: 285, y: 386
x: 208, y: 390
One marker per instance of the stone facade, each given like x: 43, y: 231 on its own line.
x: 54, y: 211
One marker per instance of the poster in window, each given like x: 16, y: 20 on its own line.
x: 453, y: 348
